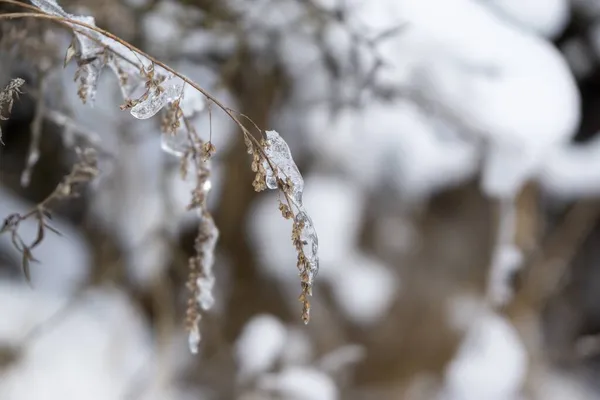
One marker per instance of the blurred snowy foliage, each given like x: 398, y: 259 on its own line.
x: 386, y: 104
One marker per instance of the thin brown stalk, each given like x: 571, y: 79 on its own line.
x: 132, y: 48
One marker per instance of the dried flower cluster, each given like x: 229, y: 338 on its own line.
x: 182, y: 140
x: 276, y: 169
x: 150, y: 87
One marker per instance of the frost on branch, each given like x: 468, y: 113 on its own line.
x: 276, y: 169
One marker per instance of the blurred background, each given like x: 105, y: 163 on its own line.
x: 451, y: 168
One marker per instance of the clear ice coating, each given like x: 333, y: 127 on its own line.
x: 194, y: 338
x: 89, y: 46
x: 49, y: 6
x: 206, y: 282
x: 205, y: 296
x: 156, y: 101
x: 310, y: 243
x: 91, y: 49
x: 130, y: 80
x: 280, y: 155
x: 175, y: 143
x: 193, y: 102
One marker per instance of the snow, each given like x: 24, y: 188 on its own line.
x: 556, y: 385
x: 335, y: 209
x: 512, y: 107
x: 65, y: 261
x: 298, y: 349
x: 498, y: 96
x: 101, y: 344
x: 571, y: 171
x: 365, y: 289
x: 260, y: 345
x: 413, y: 147
x: 482, y: 92
x: 301, y: 383
x: 342, y: 357
x: 491, y: 362
x: 545, y: 17
x: 127, y: 204
x: 160, y: 29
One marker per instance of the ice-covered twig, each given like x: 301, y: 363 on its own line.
x: 275, y: 169
x: 148, y: 87
x: 185, y: 143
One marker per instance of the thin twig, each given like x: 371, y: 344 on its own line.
x: 549, y: 265
x: 130, y: 47
x: 33, y: 153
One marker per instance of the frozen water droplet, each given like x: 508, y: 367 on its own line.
x: 271, y: 180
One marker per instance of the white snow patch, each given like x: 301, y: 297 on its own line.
x: 260, y: 344
x: 491, y: 362
x: 96, y: 351
x: 300, y: 383
x: 364, y: 289
x: 545, y: 17
x: 64, y: 260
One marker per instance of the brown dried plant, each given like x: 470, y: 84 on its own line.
x: 93, y: 49
x: 82, y: 172
x: 7, y: 97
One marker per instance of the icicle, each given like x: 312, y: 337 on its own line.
x: 153, y: 104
